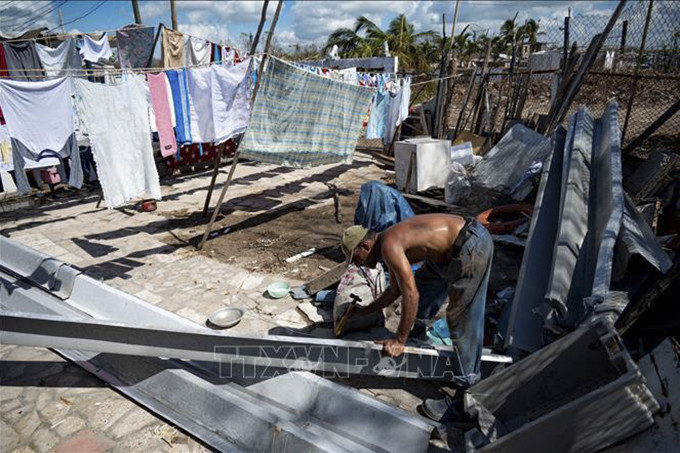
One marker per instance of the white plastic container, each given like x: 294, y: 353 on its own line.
x: 430, y: 163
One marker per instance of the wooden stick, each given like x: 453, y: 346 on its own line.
x: 223, y: 193
x: 216, y: 170
x: 461, y: 115
x: 672, y: 110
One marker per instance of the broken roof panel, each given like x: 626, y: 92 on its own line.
x: 526, y: 325
x: 637, y: 238
x: 503, y: 166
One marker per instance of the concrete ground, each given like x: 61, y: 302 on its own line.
x: 49, y: 404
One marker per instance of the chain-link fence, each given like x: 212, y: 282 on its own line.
x: 651, y: 79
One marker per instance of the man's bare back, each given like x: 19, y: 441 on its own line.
x: 424, y: 237
x: 427, y: 237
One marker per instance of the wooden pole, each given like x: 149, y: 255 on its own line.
x: 173, y: 14
x: 220, y: 200
x: 61, y: 21
x: 452, y: 66
x: 270, y: 35
x: 216, y: 170
x: 453, y: 25
x: 135, y: 10
x: 437, y: 129
x: 461, y: 115
x: 153, y: 48
x: 565, y: 49
x: 260, y: 26
x: 672, y: 110
x: 624, y: 33
x: 637, y: 70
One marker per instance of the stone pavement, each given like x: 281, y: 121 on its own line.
x: 47, y: 403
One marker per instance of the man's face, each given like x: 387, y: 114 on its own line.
x: 361, y: 253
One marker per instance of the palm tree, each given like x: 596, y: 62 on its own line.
x: 530, y: 31
x: 350, y: 44
x: 366, y: 39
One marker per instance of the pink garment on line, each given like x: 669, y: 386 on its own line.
x: 161, y: 108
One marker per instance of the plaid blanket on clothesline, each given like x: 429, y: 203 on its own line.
x: 301, y: 119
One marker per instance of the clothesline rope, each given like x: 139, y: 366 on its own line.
x: 73, y: 35
x: 436, y: 80
x: 101, y: 72
x: 100, y: 32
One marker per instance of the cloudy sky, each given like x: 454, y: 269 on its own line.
x: 301, y: 22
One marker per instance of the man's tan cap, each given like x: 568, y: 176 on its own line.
x: 351, y: 239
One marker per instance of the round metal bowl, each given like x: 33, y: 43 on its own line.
x: 226, y: 317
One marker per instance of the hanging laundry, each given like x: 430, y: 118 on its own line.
x: 152, y: 113
x: 405, y: 99
x: 172, y: 45
x: 231, y: 101
x: 200, y: 105
x: 398, y: 107
x: 302, y: 120
x: 5, y: 150
x: 377, y: 123
x: 3, y: 67
x: 135, y: 45
x: 180, y: 101
x: 94, y: 50
x: 217, y: 53
x: 60, y: 61
x: 196, y: 52
x: 349, y: 75
x: 40, y: 122
x: 6, y: 160
x: 162, y: 113
x: 22, y: 60
x: 229, y: 56
x: 117, y: 119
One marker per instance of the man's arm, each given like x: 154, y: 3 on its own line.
x: 387, y: 298
x: 401, y: 277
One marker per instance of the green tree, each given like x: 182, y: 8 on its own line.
x: 416, y: 51
x: 530, y: 31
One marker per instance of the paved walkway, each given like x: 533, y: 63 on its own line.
x: 47, y: 403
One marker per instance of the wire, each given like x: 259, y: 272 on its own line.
x: 40, y: 16
x: 82, y: 16
x: 36, y: 13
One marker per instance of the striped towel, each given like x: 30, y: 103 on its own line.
x: 301, y: 119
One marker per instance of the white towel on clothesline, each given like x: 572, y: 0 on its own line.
x: 93, y: 50
x: 218, y: 101
x: 117, y: 120
x: 196, y: 52
x: 61, y: 60
x: 231, y: 101
x: 38, y: 114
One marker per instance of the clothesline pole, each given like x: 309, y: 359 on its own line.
x: 216, y: 170
x: 253, y: 49
x: 223, y: 193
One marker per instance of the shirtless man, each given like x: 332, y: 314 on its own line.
x: 457, y: 256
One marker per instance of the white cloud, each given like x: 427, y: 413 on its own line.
x: 314, y: 21
x: 232, y: 11
x: 211, y: 32
x: 20, y: 17
x: 150, y: 10
x: 304, y: 22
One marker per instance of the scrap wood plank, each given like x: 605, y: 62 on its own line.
x: 324, y: 281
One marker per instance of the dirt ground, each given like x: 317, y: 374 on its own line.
x: 261, y: 243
